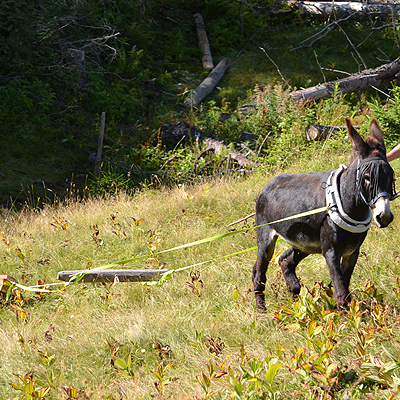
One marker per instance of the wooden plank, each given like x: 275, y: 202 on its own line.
x: 108, y: 275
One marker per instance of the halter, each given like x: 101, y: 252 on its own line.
x: 370, y: 160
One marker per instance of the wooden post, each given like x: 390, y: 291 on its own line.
x: 206, y: 87
x: 100, y: 145
x: 203, y: 42
x: 228, y: 162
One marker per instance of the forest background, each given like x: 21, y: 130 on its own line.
x: 142, y: 60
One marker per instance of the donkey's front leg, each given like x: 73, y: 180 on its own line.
x: 339, y: 280
x: 348, y: 264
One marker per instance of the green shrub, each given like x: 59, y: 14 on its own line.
x: 388, y: 116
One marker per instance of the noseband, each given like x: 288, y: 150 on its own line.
x: 362, y: 166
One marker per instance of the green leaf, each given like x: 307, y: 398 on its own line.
x: 121, y: 363
x: 272, y: 371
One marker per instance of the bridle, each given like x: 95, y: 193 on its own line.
x: 334, y: 202
x: 368, y: 161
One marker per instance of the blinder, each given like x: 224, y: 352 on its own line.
x: 362, y: 167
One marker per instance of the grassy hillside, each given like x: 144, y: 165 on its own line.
x: 197, y: 335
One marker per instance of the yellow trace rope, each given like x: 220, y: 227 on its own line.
x: 77, y: 277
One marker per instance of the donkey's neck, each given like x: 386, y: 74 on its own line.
x: 352, y: 202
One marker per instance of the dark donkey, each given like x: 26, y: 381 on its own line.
x: 350, y: 192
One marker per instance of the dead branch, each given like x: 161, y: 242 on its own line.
x: 352, y: 45
x: 243, y: 219
x: 321, y: 132
x: 321, y: 34
x: 277, y: 68
x: 217, y: 147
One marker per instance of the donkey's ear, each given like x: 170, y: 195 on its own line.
x: 360, y: 148
x: 375, y: 130
x: 375, y: 138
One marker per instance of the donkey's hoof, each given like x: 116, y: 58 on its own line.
x: 296, y: 289
x: 260, y: 305
x: 292, y: 284
x: 343, y: 303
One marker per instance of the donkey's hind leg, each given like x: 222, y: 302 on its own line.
x: 288, y: 262
x: 266, y: 239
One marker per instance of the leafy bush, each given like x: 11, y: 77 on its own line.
x: 388, y: 116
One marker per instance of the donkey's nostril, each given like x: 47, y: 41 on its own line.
x: 384, y: 219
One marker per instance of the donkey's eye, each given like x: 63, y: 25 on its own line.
x: 367, y: 179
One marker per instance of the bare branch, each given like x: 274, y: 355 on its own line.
x: 319, y: 35
x: 352, y: 45
x: 319, y: 65
x: 277, y: 68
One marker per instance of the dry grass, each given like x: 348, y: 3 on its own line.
x: 80, y: 327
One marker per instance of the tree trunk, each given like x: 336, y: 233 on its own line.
x: 206, y: 87
x: 207, y: 60
x: 324, y: 9
x: 356, y: 82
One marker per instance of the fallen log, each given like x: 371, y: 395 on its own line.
x: 181, y: 131
x: 206, y: 87
x: 110, y: 275
x: 217, y: 146
x: 324, y: 9
x: 207, y: 60
x: 321, y: 132
x: 368, y: 78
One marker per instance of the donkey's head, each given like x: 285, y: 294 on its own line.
x: 375, y: 176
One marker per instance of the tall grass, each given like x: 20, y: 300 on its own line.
x: 198, y: 334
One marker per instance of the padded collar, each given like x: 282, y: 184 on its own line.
x: 335, y: 210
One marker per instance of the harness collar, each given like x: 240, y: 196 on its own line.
x: 335, y: 208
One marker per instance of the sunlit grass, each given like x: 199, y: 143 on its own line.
x: 88, y: 331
